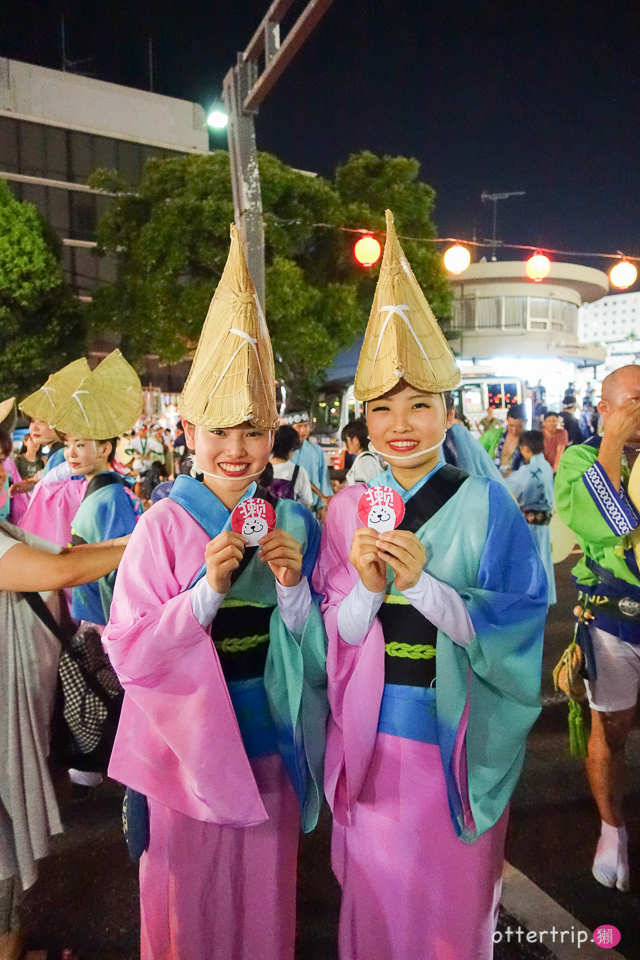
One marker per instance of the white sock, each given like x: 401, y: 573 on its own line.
x: 85, y: 778
x: 611, y: 863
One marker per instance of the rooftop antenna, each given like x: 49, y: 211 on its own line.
x: 150, y: 64
x: 69, y: 65
x: 494, y: 197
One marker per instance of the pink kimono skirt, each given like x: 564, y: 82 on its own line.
x: 411, y: 890
x: 210, y: 892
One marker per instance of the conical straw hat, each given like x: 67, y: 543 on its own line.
x: 106, y: 403
x: 232, y: 377
x: 8, y: 414
x: 403, y: 340
x: 45, y: 402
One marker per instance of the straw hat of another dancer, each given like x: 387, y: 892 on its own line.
x: 106, y: 403
x: 8, y: 414
x: 232, y: 377
x: 45, y: 402
x: 403, y: 340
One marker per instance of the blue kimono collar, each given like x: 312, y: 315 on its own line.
x: 387, y: 479
x: 203, y: 505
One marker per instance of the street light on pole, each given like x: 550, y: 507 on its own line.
x: 217, y: 117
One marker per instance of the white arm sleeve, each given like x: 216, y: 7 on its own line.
x: 443, y: 606
x: 205, y: 602
x: 294, y: 604
x: 357, y: 612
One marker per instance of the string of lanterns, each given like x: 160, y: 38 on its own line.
x: 622, y: 275
x: 367, y: 250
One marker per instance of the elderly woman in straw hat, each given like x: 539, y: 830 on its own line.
x: 221, y: 652
x: 435, y: 640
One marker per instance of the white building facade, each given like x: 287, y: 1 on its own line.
x: 504, y: 324
x: 615, y: 322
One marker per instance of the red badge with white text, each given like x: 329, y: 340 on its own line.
x: 254, y: 519
x: 381, y: 509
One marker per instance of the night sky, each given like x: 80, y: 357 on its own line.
x: 502, y: 96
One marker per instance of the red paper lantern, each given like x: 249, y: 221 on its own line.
x: 367, y: 250
x: 538, y: 267
x: 457, y: 259
x: 623, y: 275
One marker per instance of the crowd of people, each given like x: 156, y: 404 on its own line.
x: 273, y: 636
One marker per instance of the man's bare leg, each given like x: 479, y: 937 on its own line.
x: 605, y: 770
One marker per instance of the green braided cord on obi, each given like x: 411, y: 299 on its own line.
x: 577, y: 737
x: 239, y: 644
x: 235, y: 602
x: 395, y: 598
x: 414, y: 651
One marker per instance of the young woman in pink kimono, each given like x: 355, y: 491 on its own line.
x: 223, y: 666
x: 435, y: 639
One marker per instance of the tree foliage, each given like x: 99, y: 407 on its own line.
x: 170, y: 241
x: 41, y: 324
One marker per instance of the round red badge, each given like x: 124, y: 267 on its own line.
x: 381, y: 508
x: 253, y: 518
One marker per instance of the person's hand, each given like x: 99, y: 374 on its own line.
x: 405, y: 554
x: 222, y: 556
x: 365, y: 557
x: 321, y: 514
x: 622, y: 422
x: 23, y: 486
x: 284, y: 555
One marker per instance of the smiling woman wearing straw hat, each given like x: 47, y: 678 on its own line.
x: 224, y: 739
x: 106, y: 403
x: 435, y: 641
x: 54, y: 502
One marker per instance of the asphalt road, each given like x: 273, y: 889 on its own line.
x: 87, y: 893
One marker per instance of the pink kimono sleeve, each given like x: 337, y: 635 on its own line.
x: 355, y: 673
x: 178, y: 740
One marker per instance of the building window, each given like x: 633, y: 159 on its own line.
x: 33, y: 154
x: 83, y: 216
x: 56, y: 151
x: 9, y: 155
x: 81, y: 156
x: 515, y: 312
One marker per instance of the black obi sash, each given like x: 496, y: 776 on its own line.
x: 410, y: 639
x: 240, y: 633
x: 240, y: 630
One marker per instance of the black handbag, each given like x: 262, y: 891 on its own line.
x: 89, y: 695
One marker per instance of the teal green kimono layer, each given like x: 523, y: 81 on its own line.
x: 487, y: 693
x: 295, y: 673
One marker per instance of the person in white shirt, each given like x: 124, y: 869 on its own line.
x: 285, y: 443
x: 367, y: 464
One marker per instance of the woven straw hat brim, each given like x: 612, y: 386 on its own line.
x: 45, y: 402
x: 232, y: 377
x: 8, y: 414
x: 403, y: 340
x: 105, y: 404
